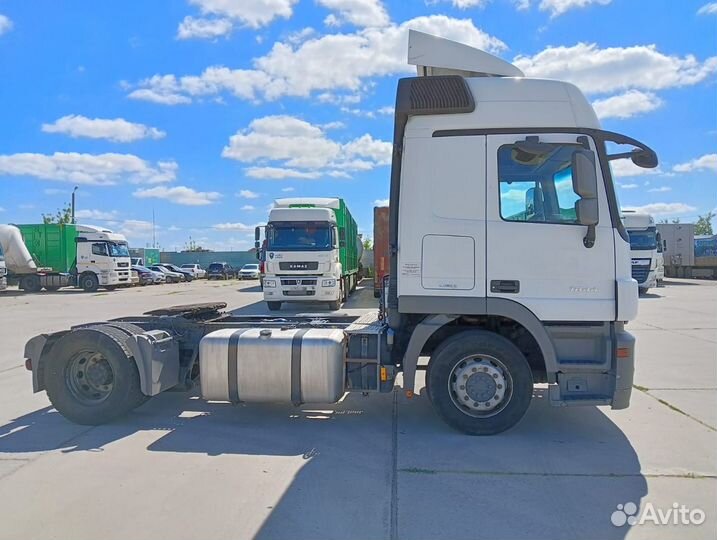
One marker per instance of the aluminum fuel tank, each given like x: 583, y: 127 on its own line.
x: 296, y: 365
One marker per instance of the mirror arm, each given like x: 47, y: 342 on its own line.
x: 589, y: 240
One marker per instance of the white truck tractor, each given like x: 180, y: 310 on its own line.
x: 648, y: 267
x: 510, y: 266
x: 3, y: 271
x: 65, y: 255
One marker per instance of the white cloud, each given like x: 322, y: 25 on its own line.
x: 53, y: 191
x: 707, y: 9
x: 2, y: 209
x: 388, y: 110
x: 612, y: 69
x: 287, y: 189
x: 235, y: 227
x: 625, y: 168
x: 463, y: 4
x: 179, y: 195
x: 136, y: 229
x: 203, y: 28
x: 288, y: 147
x: 380, y: 202
x: 251, y: 13
x: 247, y: 207
x: 522, y: 5
x: 100, y: 215
x: 558, y: 7
x: 5, y: 24
x: 362, y: 13
x: 354, y: 57
x: 708, y: 162
x: 97, y: 169
x: 117, y: 130
x: 248, y: 194
x: 663, y: 209
x: 626, y: 105
x: 662, y: 189
x: 629, y: 186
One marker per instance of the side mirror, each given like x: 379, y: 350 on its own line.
x: 647, y: 159
x: 585, y: 185
x: 530, y: 202
x: 257, y: 235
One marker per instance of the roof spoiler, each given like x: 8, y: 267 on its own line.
x: 433, y: 55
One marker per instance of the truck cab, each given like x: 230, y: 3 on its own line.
x: 302, y: 262
x: 3, y: 271
x: 103, y: 258
x: 645, y: 249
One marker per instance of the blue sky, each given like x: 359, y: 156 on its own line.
x: 204, y: 111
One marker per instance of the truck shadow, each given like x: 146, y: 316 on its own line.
x: 558, y: 474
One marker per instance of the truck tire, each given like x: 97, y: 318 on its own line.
x: 498, y: 382
x: 31, y: 284
x: 89, y: 282
x: 274, y: 306
x: 92, y: 378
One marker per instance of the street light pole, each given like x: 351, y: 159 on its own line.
x: 73, y: 204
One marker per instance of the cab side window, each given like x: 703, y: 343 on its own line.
x: 537, y: 184
x: 99, y: 249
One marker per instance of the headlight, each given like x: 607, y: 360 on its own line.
x: 269, y: 283
x: 328, y: 283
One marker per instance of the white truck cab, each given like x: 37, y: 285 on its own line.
x: 302, y: 255
x: 102, y: 258
x: 3, y: 271
x: 645, y: 249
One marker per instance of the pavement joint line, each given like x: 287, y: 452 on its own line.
x: 646, y: 391
x: 675, y: 331
x: 11, y: 368
x: 393, y: 528
x: 689, y: 476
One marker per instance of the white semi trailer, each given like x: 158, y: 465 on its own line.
x: 510, y: 266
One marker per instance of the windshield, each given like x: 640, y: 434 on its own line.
x: 642, y: 239
x: 250, y: 267
x: 215, y: 266
x: 190, y: 266
x: 299, y: 237
x: 118, y: 250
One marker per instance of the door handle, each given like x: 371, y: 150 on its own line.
x: 505, y: 286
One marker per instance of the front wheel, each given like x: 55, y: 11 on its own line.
x: 479, y: 382
x: 89, y: 282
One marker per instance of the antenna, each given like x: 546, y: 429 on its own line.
x: 154, y: 237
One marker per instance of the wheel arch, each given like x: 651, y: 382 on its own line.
x: 510, y: 310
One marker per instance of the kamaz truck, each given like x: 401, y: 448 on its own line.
x: 312, y: 252
x: 688, y: 255
x: 51, y: 256
x: 645, y: 249
x: 509, y: 267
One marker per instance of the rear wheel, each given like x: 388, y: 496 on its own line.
x: 91, y: 378
x: 31, y: 284
x: 274, y: 306
x: 89, y: 282
x: 479, y: 382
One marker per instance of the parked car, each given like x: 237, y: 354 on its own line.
x: 197, y: 271
x: 188, y: 276
x: 133, y: 278
x: 171, y: 277
x: 147, y: 276
x: 220, y: 270
x: 249, y: 271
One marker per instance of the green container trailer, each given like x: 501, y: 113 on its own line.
x: 52, y: 245
x: 349, y: 242
x: 149, y: 256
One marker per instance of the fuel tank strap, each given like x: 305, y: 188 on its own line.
x: 233, y: 366
x: 296, y: 366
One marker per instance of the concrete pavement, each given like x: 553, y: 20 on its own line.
x: 375, y: 467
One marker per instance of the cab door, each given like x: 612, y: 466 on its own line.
x: 536, y: 247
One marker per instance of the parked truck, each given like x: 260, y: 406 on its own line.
x: 52, y: 256
x: 3, y: 271
x: 509, y: 266
x: 144, y: 256
x: 688, y: 255
x: 312, y: 252
x: 381, y: 254
x: 645, y: 249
